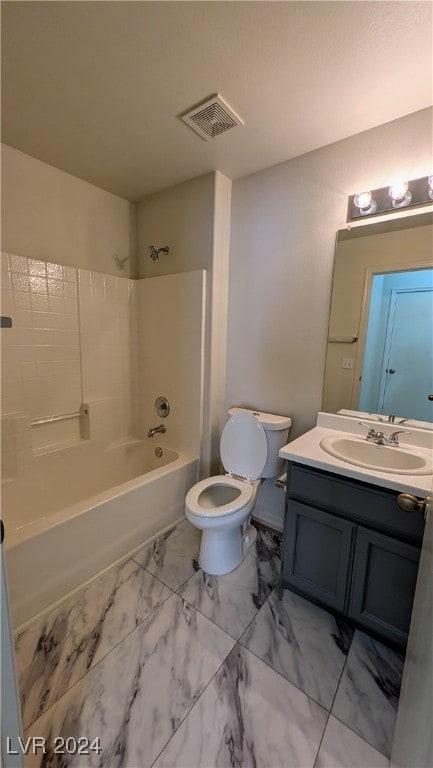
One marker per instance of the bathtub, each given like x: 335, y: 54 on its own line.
x: 80, y: 510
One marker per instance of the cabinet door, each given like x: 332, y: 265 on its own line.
x: 317, y: 554
x: 383, y: 584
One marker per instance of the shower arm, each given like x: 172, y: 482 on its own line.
x: 154, y: 252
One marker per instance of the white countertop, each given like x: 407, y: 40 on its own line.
x: 306, y: 450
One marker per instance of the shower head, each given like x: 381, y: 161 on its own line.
x: 154, y: 253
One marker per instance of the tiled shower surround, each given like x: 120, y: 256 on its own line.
x: 70, y: 341
x: 169, y: 667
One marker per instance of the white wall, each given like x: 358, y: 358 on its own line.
x: 50, y: 215
x: 284, y: 221
x: 73, y: 340
x: 193, y: 219
x: 171, y: 324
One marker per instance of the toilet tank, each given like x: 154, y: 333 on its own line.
x: 277, y: 431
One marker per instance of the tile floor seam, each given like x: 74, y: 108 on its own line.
x: 91, y: 668
x: 278, y: 672
x: 373, y: 746
x: 342, y: 673
x: 255, y: 616
x: 321, y: 741
x: 237, y: 639
x: 158, y: 578
x: 181, y: 586
x: 319, y: 704
x: 207, y: 617
x: 332, y: 702
x: 196, y: 702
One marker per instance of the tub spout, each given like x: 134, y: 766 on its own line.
x: 153, y: 430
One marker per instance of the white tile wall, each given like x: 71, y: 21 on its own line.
x: 78, y: 337
x: 41, y: 370
x: 108, y: 352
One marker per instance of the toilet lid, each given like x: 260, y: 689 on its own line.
x: 244, y: 446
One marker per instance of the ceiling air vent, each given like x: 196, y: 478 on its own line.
x: 211, y: 117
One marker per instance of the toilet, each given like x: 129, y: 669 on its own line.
x: 221, y: 506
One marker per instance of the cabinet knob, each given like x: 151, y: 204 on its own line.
x: 429, y: 397
x: 411, y: 503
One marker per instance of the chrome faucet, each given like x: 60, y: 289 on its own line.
x: 380, y: 439
x: 153, y: 430
x: 372, y: 436
x: 391, y: 418
x: 393, y: 439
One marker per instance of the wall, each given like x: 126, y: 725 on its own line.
x: 50, y: 215
x: 193, y: 219
x: 109, y: 354
x: 171, y: 314
x: 73, y: 340
x: 284, y: 221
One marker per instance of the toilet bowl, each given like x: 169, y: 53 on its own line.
x: 221, y: 506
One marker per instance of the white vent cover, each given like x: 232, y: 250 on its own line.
x: 211, y: 117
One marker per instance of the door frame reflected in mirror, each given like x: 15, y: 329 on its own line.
x: 401, y: 245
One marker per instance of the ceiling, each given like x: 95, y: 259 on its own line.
x: 95, y: 88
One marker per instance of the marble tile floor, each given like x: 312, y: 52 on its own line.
x: 171, y: 668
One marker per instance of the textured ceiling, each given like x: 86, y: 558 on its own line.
x: 94, y: 88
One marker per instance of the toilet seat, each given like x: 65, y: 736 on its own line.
x: 243, y: 446
x: 246, y: 493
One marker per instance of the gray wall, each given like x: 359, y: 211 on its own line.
x: 51, y: 215
x: 283, y: 226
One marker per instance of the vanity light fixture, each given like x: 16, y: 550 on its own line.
x: 400, y: 194
x: 396, y: 196
x: 365, y: 202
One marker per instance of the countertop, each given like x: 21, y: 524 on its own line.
x: 306, y: 450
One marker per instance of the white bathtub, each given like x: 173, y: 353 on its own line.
x: 80, y: 510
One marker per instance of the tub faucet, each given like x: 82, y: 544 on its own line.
x: 153, y: 430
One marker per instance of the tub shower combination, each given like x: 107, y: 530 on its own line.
x: 85, y: 486
x: 81, y: 510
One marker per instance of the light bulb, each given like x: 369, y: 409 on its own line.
x: 400, y: 194
x: 365, y: 203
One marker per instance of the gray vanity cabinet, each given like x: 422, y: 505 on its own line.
x: 310, y: 536
x: 383, y: 584
x: 349, y: 547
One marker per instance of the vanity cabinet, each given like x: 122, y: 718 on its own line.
x: 351, y: 548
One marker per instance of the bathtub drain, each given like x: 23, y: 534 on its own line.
x: 158, y: 452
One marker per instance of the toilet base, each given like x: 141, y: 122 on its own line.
x: 223, y: 551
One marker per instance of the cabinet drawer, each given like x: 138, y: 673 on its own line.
x: 353, y: 500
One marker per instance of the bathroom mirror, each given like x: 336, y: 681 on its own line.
x: 380, y: 339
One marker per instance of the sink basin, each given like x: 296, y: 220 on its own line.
x: 400, y: 461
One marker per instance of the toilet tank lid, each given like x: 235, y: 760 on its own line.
x: 269, y: 421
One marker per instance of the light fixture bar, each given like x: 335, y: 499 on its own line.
x: 395, y: 197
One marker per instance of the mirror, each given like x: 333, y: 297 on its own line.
x: 380, y: 340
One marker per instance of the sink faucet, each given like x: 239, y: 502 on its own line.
x: 393, y: 439
x: 380, y: 439
x: 153, y: 430
x: 391, y: 418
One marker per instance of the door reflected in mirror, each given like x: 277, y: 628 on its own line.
x: 380, y: 342
x: 397, y: 366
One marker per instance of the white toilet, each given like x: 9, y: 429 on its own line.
x: 220, y: 506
